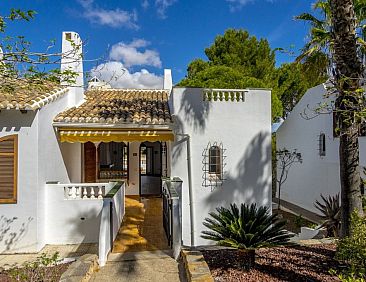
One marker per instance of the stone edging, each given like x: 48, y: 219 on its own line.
x: 196, y: 267
x: 81, y: 270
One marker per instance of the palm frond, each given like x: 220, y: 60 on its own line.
x: 245, y: 227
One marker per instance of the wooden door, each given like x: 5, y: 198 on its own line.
x: 90, y: 159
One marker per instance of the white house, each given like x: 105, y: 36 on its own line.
x: 312, y: 135
x: 69, y: 157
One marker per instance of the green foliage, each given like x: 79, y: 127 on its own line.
x: 235, y: 60
x: 293, y: 80
x: 299, y: 221
x: 20, y: 65
x: 37, y: 270
x: 352, y: 250
x: 238, y: 60
x: 246, y: 228
x: 331, y: 213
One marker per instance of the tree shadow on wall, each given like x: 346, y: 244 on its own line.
x: 250, y: 182
x: 196, y: 110
x: 9, y: 236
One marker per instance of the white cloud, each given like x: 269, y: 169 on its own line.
x: 236, y: 5
x: 145, y: 4
x: 118, y: 76
x: 112, y: 18
x: 162, y: 6
x: 129, y: 54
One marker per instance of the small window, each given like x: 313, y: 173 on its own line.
x: 8, y: 169
x: 215, y: 161
x: 68, y: 36
x: 322, y: 146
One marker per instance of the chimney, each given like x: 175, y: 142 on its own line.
x: 168, y: 81
x: 72, y: 59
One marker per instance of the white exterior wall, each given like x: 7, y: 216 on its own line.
x: 71, y: 221
x: 40, y: 159
x: 244, y: 128
x: 18, y: 222
x: 316, y: 174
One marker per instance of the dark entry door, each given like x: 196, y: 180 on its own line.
x: 150, y: 168
x: 90, y: 160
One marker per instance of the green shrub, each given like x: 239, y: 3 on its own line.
x: 299, y: 221
x: 37, y: 270
x: 247, y: 228
x: 331, y: 214
x: 352, y: 250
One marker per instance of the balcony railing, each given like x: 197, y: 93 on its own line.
x: 84, y: 191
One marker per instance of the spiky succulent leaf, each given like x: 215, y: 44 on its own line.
x: 247, y: 227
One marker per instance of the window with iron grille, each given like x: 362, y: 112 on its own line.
x: 215, y: 161
x: 213, y: 165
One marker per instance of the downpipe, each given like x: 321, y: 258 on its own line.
x: 187, y: 138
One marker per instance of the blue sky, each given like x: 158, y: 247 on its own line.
x: 151, y: 35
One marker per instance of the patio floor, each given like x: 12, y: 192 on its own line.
x: 142, y: 227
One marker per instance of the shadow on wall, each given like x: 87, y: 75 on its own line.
x: 9, y: 237
x: 14, y: 120
x: 196, y: 110
x: 86, y: 225
x: 180, y: 143
x: 251, y: 182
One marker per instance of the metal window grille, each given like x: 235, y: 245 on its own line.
x: 213, y: 165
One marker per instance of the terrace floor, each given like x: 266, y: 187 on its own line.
x: 142, y: 227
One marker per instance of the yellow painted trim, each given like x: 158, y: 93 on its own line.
x: 92, y: 135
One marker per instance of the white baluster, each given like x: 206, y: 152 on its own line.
x: 78, y: 192
x: 100, y: 193
x: 92, y: 193
x: 85, y: 193
x: 69, y: 195
x: 73, y: 192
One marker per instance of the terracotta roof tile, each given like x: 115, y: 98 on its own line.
x: 21, y: 95
x: 120, y: 106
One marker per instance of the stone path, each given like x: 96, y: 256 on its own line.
x: 156, y: 266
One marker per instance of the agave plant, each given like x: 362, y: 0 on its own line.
x: 331, y: 214
x: 246, y: 228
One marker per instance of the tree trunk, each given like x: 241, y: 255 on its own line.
x: 348, y: 74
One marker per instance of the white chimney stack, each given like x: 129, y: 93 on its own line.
x: 72, y: 59
x: 168, y: 81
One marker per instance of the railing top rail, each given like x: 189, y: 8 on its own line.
x: 114, y: 190
x: 170, y: 190
x: 81, y: 184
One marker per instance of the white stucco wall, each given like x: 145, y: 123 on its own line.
x: 244, y: 128
x: 316, y: 174
x: 40, y: 159
x: 18, y: 222
x: 71, y: 221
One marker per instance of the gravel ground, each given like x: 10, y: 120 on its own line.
x: 297, y: 263
x: 50, y: 274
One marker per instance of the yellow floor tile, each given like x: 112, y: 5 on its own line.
x: 142, y: 227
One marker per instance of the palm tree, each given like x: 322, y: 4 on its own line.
x: 320, y: 39
x: 348, y: 74
x: 340, y: 34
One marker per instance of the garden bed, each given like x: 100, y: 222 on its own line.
x: 47, y: 274
x: 295, y: 263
